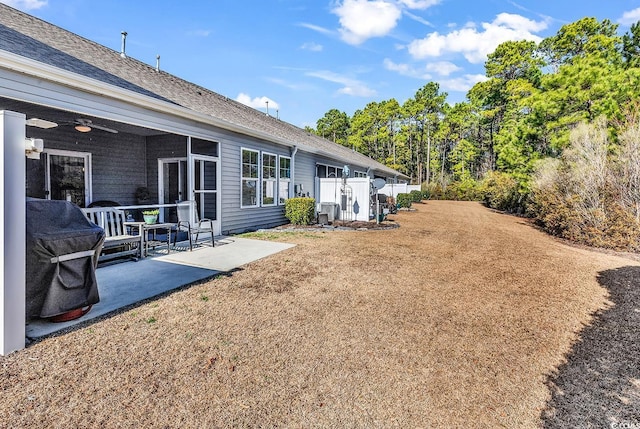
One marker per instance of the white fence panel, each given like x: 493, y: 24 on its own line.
x: 358, y: 207
x: 393, y: 189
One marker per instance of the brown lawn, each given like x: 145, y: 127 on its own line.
x: 456, y: 319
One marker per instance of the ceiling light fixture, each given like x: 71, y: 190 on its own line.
x: 82, y: 128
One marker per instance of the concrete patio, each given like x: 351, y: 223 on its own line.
x: 127, y: 283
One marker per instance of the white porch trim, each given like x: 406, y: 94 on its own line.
x: 12, y: 232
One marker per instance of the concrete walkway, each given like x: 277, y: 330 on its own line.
x: 126, y: 283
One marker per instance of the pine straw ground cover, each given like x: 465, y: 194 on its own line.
x: 461, y: 317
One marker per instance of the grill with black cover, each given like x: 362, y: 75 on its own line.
x: 62, y: 252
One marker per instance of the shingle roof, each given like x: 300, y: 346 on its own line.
x: 30, y: 37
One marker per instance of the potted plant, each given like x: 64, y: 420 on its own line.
x: 150, y: 216
x: 142, y: 195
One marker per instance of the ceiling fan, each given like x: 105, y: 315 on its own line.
x: 86, y: 125
x: 41, y: 123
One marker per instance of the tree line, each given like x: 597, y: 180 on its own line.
x: 493, y: 145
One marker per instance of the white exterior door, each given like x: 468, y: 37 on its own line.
x: 172, y: 180
x: 205, y: 180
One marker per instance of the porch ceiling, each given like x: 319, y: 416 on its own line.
x: 64, y: 118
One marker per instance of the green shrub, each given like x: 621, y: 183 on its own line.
x: 403, y: 201
x: 426, y: 194
x: 464, y: 190
x: 500, y: 191
x: 300, y: 211
x: 433, y: 191
x: 416, y: 196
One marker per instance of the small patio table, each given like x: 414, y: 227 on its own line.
x: 146, y: 241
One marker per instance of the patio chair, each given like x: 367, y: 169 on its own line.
x: 184, y: 224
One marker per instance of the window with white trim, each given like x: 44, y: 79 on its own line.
x: 359, y: 174
x: 284, y: 182
x: 269, y: 179
x: 250, y: 178
x: 328, y: 171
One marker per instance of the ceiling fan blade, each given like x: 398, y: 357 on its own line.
x: 41, y: 123
x: 103, y: 128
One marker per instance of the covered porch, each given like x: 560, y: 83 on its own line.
x: 91, y: 160
x: 125, y: 284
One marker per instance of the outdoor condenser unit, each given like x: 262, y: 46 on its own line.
x: 330, y: 209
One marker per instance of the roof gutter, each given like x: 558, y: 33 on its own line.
x: 39, y: 70
x: 36, y: 69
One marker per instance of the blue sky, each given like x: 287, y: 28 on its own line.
x: 306, y: 57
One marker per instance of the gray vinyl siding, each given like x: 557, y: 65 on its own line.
x: 116, y: 161
x: 305, y: 172
x: 164, y: 146
x: 234, y: 218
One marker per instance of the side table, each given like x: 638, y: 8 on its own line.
x: 153, y: 241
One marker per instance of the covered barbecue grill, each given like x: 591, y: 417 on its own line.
x: 62, y: 253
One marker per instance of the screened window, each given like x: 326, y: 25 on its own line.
x: 328, y: 171
x: 250, y: 178
x: 285, y: 179
x: 269, y: 179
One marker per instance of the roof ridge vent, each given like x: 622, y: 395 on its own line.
x: 123, y: 50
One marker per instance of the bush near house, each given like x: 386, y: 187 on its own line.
x: 416, y: 196
x: 300, y: 211
x: 403, y: 201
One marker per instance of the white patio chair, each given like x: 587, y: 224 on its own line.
x: 184, y: 224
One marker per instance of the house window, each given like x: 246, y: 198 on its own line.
x: 285, y: 179
x: 359, y: 174
x: 269, y: 179
x: 250, y: 178
x: 328, y: 171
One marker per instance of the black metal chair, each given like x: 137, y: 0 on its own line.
x: 184, y: 223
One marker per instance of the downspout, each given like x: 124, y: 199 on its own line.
x: 293, y: 172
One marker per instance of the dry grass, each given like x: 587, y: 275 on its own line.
x: 455, y: 319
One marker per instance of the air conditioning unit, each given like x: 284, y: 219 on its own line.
x: 330, y: 209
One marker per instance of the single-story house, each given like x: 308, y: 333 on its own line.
x: 111, y: 124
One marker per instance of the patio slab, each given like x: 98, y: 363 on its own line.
x: 126, y: 283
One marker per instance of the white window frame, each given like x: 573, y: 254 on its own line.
x: 273, y: 182
x: 253, y: 179
x: 283, y: 196
x: 357, y: 173
x: 88, y: 173
x: 329, y: 166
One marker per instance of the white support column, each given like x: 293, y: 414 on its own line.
x: 12, y: 232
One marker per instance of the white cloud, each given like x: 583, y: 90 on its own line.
x: 518, y: 22
x: 419, y: 4
x: 257, y: 102
x: 630, y: 17
x: 315, y: 28
x: 361, y: 19
x: 476, y: 44
x: 311, y: 46
x: 349, y: 86
x: 26, y: 4
x: 443, y: 68
x: 418, y: 19
x: 462, y: 84
x: 405, y: 70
